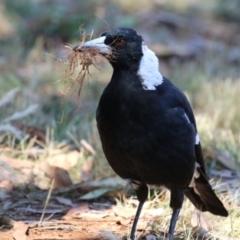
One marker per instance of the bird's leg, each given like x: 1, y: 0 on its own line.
x: 134, y: 226
x: 173, y: 223
x: 176, y: 201
x: 142, y: 193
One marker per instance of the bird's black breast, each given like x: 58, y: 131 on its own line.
x: 145, y: 135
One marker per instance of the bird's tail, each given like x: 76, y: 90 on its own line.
x: 203, y: 196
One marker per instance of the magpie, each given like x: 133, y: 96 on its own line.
x: 147, y: 127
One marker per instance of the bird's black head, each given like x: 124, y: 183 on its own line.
x: 123, y: 45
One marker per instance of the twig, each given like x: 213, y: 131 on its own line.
x: 46, y: 203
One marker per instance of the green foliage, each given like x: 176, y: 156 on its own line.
x: 53, y: 19
x: 227, y: 10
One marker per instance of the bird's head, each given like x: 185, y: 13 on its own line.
x: 123, y: 45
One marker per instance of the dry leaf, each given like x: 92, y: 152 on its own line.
x: 65, y: 160
x: 111, y: 182
x: 95, y: 194
x: 153, y: 212
x: 64, y: 201
x: 17, y: 163
x: 124, y: 212
x: 61, y: 176
x: 78, y: 210
x: 32, y: 131
x: 7, y: 221
x: 20, y: 229
x: 95, y: 214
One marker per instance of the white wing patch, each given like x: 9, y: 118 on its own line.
x: 148, y: 69
x: 185, y: 115
x: 196, y: 174
x: 197, y: 141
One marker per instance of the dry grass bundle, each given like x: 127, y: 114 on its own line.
x: 81, y: 57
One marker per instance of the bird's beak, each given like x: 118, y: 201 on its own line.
x: 98, y: 44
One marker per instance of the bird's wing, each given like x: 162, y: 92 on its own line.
x: 178, y: 99
x: 200, y: 192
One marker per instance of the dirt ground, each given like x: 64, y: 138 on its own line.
x: 79, y: 222
x: 71, y: 229
x: 60, y: 214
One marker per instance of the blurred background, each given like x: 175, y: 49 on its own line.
x: 47, y: 131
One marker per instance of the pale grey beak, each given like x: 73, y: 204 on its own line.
x: 97, y: 43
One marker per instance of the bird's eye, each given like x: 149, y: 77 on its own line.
x: 118, y: 42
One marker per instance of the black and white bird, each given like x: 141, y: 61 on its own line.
x: 147, y: 127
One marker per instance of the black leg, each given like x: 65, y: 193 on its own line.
x: 176, y: 201
x: 142, y: 193
x: 134, y: 226
x: 173, y: 223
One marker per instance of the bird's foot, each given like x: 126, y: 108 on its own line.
x: 169, y: 236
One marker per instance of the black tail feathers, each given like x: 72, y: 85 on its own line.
x: 204, y: 198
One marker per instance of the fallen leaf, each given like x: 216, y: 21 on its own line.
x: 33, y: 131
x: 65, y: 160
x: 95, y: 214
x: 124, y: 212
x: 16, y: 163
x: 78, y: 210
x: 60, y: 175
x: 95, y: 194
x: 20, y: 229
x: 7, y: 221
x: 111, y: 182
x: 100, y: 205
x: 64, y: 201
x: 153, y: 212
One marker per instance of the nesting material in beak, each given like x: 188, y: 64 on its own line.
x: 84, y: 55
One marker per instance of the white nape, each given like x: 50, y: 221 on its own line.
x: 148, y: 69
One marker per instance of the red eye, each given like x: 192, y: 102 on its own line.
x: 118, y: 42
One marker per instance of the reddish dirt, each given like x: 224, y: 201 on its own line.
x: 74, y: 230
x: 78, y: 223
x: 84, y: 229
